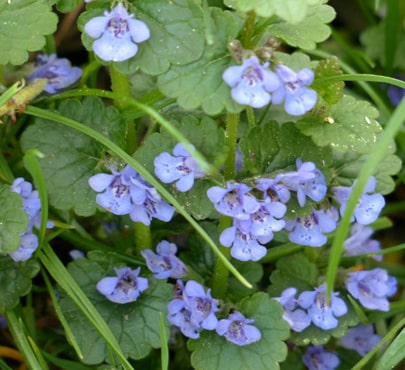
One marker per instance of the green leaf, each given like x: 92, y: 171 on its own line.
x: 136, y: 325
x: 214, y: 352
x: 176, y: 34
x: 15, y: 280
x: 309, y: 31
x: 348, y: 165
x: 394, y: 353
x: 23, y: 25
x: 66, y: 6
x: 349, y: 125
x: 207, y: 138
x: 70, y: 157
x: 14, y: 220
x: 271, y: 147
x: 374, y: 41
x: 331, y: 92
x: 200, y: 84
x: 291, y: 11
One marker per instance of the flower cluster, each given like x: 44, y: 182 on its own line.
x: 181, y: 167
x: 32, y: 207
x: 193, y: 309
x: 123, y: 288
x: 317, y: 310
x: 58, y: 71
x: 164, y: 264
x: 117, y: 34
x: 255, y: 85
x: 127, y: 192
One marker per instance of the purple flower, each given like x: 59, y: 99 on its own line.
x: 164, y: 264
x: 360, y: 243
x: 306, y: 181
x: 234, y: 200
x: 251, y: 82
x: 3, y: 321
x: 193, y: 309
x: 368, y: 207
x: 318, y: 358
x: 236, y: 329
x: 32, y: 207
x: 117, y: 34
x: 117, y: 190
x: 58, y: 71
x: 181, y: 167
x: 372, y: 288
x: 123, y: 288
x: 322, y: 314
x: 310, y: 230
x: 298, y: 99
x: 244, y: 246
x: 273, y: 189
x: 295, y: 317
x: 361, y: 339
x: 395, y: 93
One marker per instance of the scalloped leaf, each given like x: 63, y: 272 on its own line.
x: 309, y: 31
x: 349, y: 125
x: 136, y: 325
x: 291, y: 11
x: 66, y: 6
x: 14, y: 220
x: 15, y: 280
x: 200, y: 84
x: 71, y: 157
x: 214, y: 352
x: 208, y: 138
x: 23, y: 25
x: 176, y: 34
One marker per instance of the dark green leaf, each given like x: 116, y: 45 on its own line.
x: 15, y: 280
x: 72, y: 157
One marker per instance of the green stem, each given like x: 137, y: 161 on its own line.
x: 249, y: 29
x: 251, y: 117
x: 221, y: 273
x: 143, y: 237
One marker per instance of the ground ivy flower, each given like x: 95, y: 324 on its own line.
x: 58, y: 71
x: 360, y: 339
x: 318, y: 358
x: 298, y: 99
x: 117, y: 190
x: 236, y: 329
x: 117, y: 34
x: 193, y: 309
x: 368, y: 207
x: 32, y: 207
x: 233, y: 201
x: 273, y: 189
x: 372, y: 287
x: 297, y: 319
x: 181, y: 167
x: 310, y: 230
x: 359, y: 242
x: 322, y: 314
x: 164, y: 264
x: 251, y: 82
x: 123, y: 288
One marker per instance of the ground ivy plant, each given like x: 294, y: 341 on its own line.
x: 201, y: 184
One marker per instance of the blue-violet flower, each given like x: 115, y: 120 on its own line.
x: 123, y: 288
x: 251, y: 82
x: 236, y: 329
x: 322, y: 314
x: 164, y: 264
x: 360, y: 339
x: 181, y: 167
x: 359, y: 242
x: 58, y: 71
x: 298, y: 99
x: 117, y: 34
x: 372, y: 287
x: 318, y: 358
